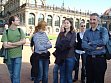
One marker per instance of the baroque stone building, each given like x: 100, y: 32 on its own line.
x: 106, y: 19
x: 31, y: 12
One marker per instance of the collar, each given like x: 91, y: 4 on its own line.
x: 98, y: 28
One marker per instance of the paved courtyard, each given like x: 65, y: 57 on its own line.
x: 25, y: 74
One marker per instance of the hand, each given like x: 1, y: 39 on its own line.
x: 10, y: 43
x: 99, y: 48
x: 48, y: 42
x: 89, y: 43
x: 62, y: 28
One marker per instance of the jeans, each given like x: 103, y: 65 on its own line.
x: 83, y: 57
x: 43, y: 71
x: 66, y: 70
x: 55, y: 73
x: 14, y: 68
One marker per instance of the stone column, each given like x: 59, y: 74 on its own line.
x: 53, y: 24
x: 36, y: 18
x: 26, y: 20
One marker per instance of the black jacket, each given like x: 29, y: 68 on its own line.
x: 79, y: 42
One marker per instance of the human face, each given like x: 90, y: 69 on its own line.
x: 67, y: 24
x: 93, y: 21
x: 16, y: 22
x: 62, y: 27
x: 82, y: 27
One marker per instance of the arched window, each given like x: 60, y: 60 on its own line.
x: 63, y: 19
x: 49, y: 20
x: 23, y: 17
x: 1, y: 21
x: 109, y: 27
x: 41, y: 17
x: 57, y: 21
x: 87, y: 24
x: 32, y: 1
x: 83, y: 20
x: 31, y: 19
x: 77, y: 23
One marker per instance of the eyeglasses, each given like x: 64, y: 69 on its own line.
x: 17, y: 20
x: 82, y: 25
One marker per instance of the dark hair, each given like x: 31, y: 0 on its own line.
x: 71, y: 22
x: 71, y: 27
x: 94, y: 14
x: 12, y: 18
x: 82, y: 23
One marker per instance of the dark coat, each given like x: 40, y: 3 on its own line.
x: 64, y: 47
x: 79, y: 42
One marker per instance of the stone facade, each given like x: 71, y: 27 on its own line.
x: 31, y: 13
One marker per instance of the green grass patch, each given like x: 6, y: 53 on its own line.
x: 52, y: 37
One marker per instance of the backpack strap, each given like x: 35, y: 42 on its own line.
x: 19, y: 30
x: 7, y: 33
x: 20, y: 35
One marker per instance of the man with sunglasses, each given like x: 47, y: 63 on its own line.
x: 80, y: 52
x: 94, y: 45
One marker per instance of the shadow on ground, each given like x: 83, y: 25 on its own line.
x: 25, y: 74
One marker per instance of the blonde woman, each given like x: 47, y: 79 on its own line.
x: 41, y: 46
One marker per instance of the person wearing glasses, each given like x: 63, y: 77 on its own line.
x: 13, y: 40
x: 80, y: 52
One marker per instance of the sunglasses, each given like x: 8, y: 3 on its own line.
x: 82, y: 25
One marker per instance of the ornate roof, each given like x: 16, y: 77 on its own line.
x: 107, y: 12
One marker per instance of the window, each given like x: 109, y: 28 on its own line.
x: 32, y: 1
x: 41, y: 17
x: 77, y: 23
x: 63, y: 19
x: 57, y: 21
x: 31, y: 19
x: 87, y: 24
x: 49, y: 20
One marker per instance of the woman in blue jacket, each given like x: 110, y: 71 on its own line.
x: 41, y: 46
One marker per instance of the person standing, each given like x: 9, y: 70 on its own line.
x: 41, y: 45
x: 93, y: 43
x: 56, y: 66
x: 13, y: 40
x: 80, y: 52
x: 65, y: 56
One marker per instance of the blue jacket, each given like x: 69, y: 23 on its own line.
x: 92, y: 40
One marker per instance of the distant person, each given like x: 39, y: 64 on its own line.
x: 79, y: 52
x: 13, y: 40
x: 56, y: 66
x: 93, y: 43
